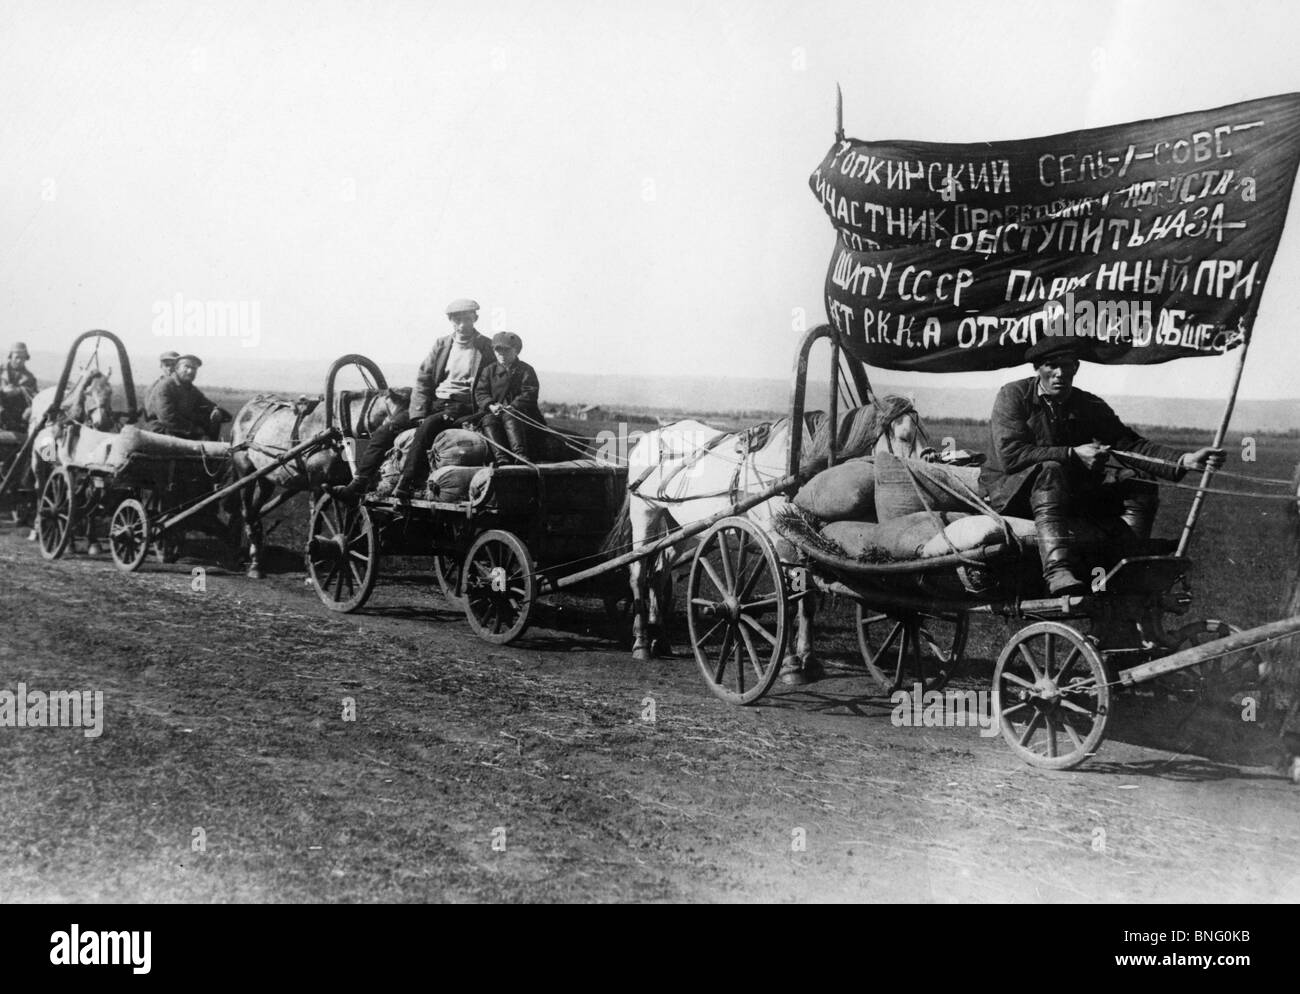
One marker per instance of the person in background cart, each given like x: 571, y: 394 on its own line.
x: 17, y: 388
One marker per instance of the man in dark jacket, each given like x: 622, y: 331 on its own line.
x: 508, y: 383
x: 443, y: 394
x: 167, y: 365
x: 17, y: 388
x: 1050, y: 446
x: 179, y: 407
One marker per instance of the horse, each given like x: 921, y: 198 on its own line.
x: 268, y: 426
x: 686, y: 472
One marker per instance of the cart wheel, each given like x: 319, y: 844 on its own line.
x: 1049, y: 692
x: 447, y: 569
x: 342, y: 553
x: 166, y: 545
x: 913, y: 647
x: 56, y: 513
x: 1216, y: 680
x: 736, y: 581
x: 499, y: 587
x: 129, y: 535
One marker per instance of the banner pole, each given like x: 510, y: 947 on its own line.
x: 1194, y: 512
x: 839, y: 113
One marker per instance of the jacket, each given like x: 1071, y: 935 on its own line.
x: 434, y: 369
x: 516, y: 386
x: 179, y: 409
x: 1024, y: 436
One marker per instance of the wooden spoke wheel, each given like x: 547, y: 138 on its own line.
x: 499, y: 587
x: 1050, y: 695
x: 129, y: 535
x: 738, y: 610
x: 1215, y: 681
x: 56, y: 513
x: 342, y: 553
x: 447, y: 570
x: 912, y: 647
x: 167, y: 545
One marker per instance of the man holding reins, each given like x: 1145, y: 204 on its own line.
x: 443, y: 394
x: 1050, y: 446
x: 179, y: 407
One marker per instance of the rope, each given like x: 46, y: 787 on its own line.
x: 1290, y: 498
x: 1122, y: 455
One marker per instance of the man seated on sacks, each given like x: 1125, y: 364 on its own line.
x: 443, y: 394
x: 1050, y: 447
x: 178, y: 407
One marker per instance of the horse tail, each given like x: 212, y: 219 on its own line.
x: 619, y: 538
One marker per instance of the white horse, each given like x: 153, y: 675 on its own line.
x: 686, y: 472
x: 88, y: 402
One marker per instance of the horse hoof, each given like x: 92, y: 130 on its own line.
x: 32, y: 536
x: 794, y: 678
x: 255, y: 574
x: 642, y: 655
x: 94, y: 550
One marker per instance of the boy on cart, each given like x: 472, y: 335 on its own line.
x: 506, y: 395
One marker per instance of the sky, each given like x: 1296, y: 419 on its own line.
x: 624, y: 185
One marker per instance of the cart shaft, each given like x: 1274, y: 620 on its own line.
x: 1286, y: 628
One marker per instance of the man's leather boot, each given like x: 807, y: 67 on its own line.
x: 1056, y: 547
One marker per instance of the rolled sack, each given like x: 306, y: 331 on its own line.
x: 460, y: 447
x: 975, y: 532
x: 846, y: 492
x: 897, y: 493
x: 900, y: 538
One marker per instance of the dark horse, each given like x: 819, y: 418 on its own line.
x: 268, y: 426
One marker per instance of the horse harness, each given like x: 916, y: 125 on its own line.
x: 302, y: 408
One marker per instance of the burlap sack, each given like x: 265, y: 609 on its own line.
x: 974, y: 532
x: 846, y: 492
x: 459, y: 447
x: 901, y: 538
x: 451, y: 483
x: 896, y: 495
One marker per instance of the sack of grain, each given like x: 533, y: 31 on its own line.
x: 392, y: 466
x: 898, y: 538
x: 459, y: 447
x: 451, y: 483
x: 896, y: 494
x: 975, y: 532
x: 846, y: 492
x: 857, y: 538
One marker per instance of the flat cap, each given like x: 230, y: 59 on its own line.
x: 462, y: 305
x: 192, y: 359
x: 20, y: 349
x: 1056, y: 347
x: 171, y: 355
x: 507, y: 338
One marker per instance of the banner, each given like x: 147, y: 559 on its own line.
x: 1151, y: 241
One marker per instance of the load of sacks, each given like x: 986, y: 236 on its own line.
x: 871, y: 508
x: 460, y: 465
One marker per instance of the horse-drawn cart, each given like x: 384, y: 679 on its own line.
x: 153, y: 488
x: 520, y: 530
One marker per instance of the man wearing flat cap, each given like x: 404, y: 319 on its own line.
x: 167, y: 364
x: 1050, y: 446
x: 443, y: 393
x: 17, y: 388
x: 506, y: 394
x: 179, y: 407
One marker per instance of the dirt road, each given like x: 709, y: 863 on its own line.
x: 256, y: 747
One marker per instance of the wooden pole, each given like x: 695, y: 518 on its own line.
x: 1286, y: 628
x: 1199, y: 497
x: 839, y: 113
x: 318, y: 441
x: 689, y: 531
